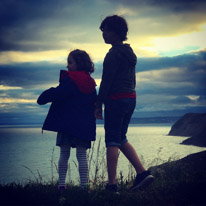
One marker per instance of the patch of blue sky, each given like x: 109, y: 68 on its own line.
x: 177, y: 52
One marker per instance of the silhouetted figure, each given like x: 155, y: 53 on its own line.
x: 72, y: 113
x: 117, y: 93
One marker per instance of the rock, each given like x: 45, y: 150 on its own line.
x: 191, y: 125
x: 192, y: 162
x: 197, y: 140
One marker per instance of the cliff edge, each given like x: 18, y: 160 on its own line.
x: 191, y: 125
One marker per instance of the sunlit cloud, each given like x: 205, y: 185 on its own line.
x: 22, y: 57
x: 2, y: 87
x: 193, y: 97
x: 144, y: 51
x: 122, y: 10
x: 176, y: 45
x: 98, y: 81
x: 96, y: 51
x: 14, y: 100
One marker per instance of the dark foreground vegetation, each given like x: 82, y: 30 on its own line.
x: 181, y: 182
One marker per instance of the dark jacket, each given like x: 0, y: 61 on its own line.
x: 72, y: 108
x: 118, y: 72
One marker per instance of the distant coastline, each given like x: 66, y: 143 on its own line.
x: 191, y: 125
x: 138, y: 121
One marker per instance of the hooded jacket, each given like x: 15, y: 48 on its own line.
x: 72, y: 105
x: 118, y: 72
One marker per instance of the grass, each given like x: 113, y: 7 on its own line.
x: 180, y: 182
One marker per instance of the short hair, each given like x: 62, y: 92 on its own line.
x: 116, y: 24
x: 83, y: 61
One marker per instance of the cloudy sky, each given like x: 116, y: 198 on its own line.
x: 167, y: 36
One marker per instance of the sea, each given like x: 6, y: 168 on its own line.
x: 28, y: 155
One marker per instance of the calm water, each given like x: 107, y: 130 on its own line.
x: 27, y: 154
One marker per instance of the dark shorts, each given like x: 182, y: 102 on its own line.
x: 117, y: 115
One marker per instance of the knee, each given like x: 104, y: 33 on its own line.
x: 64, y: 154
x: 81, y: 153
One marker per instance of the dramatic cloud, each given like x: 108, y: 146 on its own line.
x: 28, y: 25
x: 165, y: 83
x: 29, y: 75
x: 167, y: 36
x: 172, y: 83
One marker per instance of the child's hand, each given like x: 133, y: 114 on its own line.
x: 98, y: 113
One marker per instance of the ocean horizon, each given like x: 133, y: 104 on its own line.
x: 168, y: 120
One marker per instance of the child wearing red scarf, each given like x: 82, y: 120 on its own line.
x: 71, y: 113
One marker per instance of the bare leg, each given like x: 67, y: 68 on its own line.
x: 112, y: 158
x: 129, y: 151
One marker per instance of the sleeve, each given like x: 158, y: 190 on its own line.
x: 59, y: 93
x: 110, y: 68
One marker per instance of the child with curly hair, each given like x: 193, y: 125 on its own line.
x: 71, y: 113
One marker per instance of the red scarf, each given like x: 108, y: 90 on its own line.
x: 81, y: 79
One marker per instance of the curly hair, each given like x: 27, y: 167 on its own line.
x: 116, y: 24
x: 83, y: 61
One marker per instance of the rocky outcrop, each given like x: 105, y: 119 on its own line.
x: 191, y: 125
